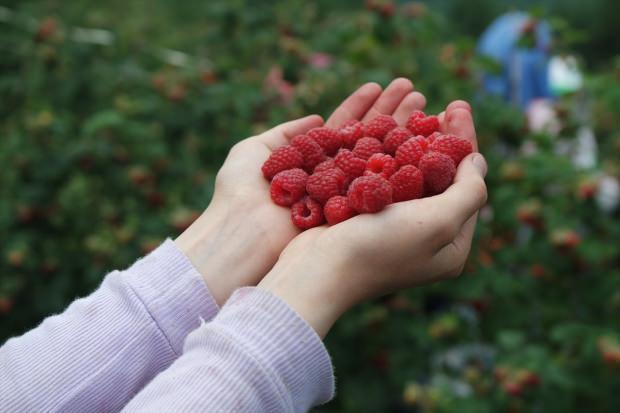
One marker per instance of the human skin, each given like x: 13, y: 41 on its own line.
x: 240, y: 235
x: 326, y: 270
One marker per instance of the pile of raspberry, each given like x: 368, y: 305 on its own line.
x: 334, y: 174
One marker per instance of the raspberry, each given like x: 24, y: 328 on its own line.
x: 310, y: 150
x: 410, y: 152
x: 325, y: 165
x: 420, y: 124
x: 328, y: 138
x: 323, y: 185
x: 351, y: 132
x: 453, y: 146
x: 424, y: 142
x: 366, y: 147
x: 288, y: 187
x: 350, y: 164
x: 337, y: 209
x: 395, y: 138
x: 431, y: 138
x: 307, y: 213
x: 438, y: 170
x: 369, y: 194
x: 283, y: 158
x: 381, y: 164
x: 407, y: 183
x: 380, y: 126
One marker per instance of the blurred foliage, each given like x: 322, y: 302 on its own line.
x: 110, y: 141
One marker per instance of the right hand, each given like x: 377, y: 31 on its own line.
x: 326, y: 270
x: 239, y: 237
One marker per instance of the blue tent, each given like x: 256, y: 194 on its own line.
x: 524, y: 74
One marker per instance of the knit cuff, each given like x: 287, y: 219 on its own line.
x: 282, y: 341
x: 173, y: 292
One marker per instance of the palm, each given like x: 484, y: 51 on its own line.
x: 240, y: 177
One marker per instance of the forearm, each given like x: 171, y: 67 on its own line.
x: 105, y: 347
x: 257, y: 355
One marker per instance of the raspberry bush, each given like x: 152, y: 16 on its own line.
x: 109, y: 141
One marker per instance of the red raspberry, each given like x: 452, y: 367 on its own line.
x: 369, y: 194
x: 424, y: 142
x: 325, y: 165
x: 323, y: 185
x: 307, y: 213
x: 407, y: 183
x: 310, y: 150
x: 395, y: 138
x: 351, y: 132
x: 350, y: 164
x: 380, y: 126
x: 453, y: 146
x: 337, y: 209
x: 410, y: 152
x: 420, y: 124
x: 288, y: 187
x: 366, y: 147
x: 283, y: 158
x: 431, y: 138
x: 328, y: 138
x: 438, y: 170
x: 381, y: 164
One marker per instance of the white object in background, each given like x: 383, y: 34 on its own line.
x: 541, y: 117
x: 585, y: 150
x: 564, y: 75
x: 608, y: 194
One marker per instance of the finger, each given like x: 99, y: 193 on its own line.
x: 413, y: 101
x: 468, y: 193
x: 282, y: 134
x: 356, y: 105
x: 450, y: 259
x: 459, y: 121
x: 390, y: 98
x: 458, y: 104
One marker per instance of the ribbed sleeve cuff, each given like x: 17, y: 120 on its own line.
x: 280, y: 339
x: 173, y: 292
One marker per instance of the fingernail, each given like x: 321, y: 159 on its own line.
x: 480, y: 163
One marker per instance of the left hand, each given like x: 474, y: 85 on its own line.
x: 240, y: 235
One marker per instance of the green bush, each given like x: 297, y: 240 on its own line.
x: 109, y: 142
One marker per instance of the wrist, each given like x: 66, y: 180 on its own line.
x: 221, y: 247
x: 310, y: 292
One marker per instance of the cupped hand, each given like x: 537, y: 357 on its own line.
x: 326, y: 270
x: 241, y: 234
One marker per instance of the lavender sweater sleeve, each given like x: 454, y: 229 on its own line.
x: 257, y: 355
x: 106, y: 347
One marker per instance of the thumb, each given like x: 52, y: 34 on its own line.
x: 468, y: 193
